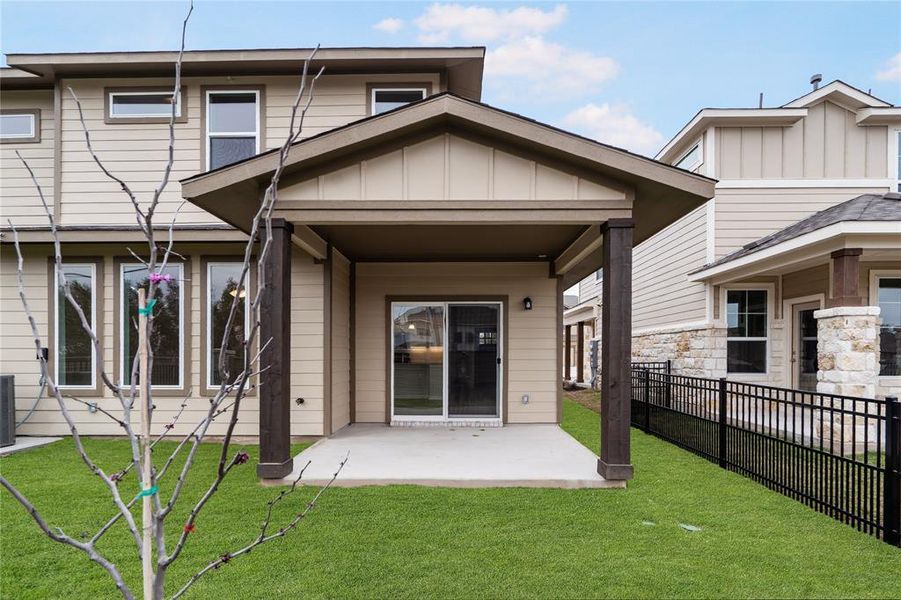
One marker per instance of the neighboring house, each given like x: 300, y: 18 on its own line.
x: 421, y: 242
x: 805, y: 218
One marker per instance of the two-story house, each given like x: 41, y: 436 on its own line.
x: 801, y: 245
x: 420, y: 244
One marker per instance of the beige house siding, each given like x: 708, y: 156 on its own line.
x: 661, y: 292
x: 137, y: 152
x: 590, y: 287
x: 340, y: 336
x: 307, y: 347
x: 745, y: 215
x: 805, y: 283
x: 449, y: 167
x: 531, y: 360
x: 827, y: 144
x: 20, y: 200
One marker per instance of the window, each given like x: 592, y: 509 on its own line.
x: 130, y: 105
x: 691, y: 160
x: 20, y: 126
x: 385, y: 99
x: 898, y: 160
x: 74, y: 359
x: 167, y: 339
x: 222, y: 289
x: 232, y: 126
x: 746, y: 338
x: 889, y: 299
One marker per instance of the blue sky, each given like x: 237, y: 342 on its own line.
x: 630, y: 73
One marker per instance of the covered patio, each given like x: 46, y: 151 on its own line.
x: 440, y: 237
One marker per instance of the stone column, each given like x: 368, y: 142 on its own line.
x: 848, y: 350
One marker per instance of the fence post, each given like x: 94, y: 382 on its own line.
x: 646, y: 398
x: 669, y: 366
x: 668, y: 388
x: 892, y: 491
x: 722, y: 422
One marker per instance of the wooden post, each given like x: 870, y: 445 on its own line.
x: 146, y: 508
x: 616, y: 350
x: 580, y: 352
x: 567, y: 352
x: 846, y: 278
x: 275, y: 384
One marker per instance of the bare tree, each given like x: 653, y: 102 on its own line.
x: 225, y: 402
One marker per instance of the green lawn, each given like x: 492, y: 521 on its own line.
x: 405, y: 541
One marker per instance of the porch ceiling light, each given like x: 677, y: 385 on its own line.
x: 527, y: 303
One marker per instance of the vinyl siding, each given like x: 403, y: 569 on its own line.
x: 827, y: 144
x: 21, y: 203
x: 17, y: 350
x: 137, y: 152
x: 340, y: 350
x: 531, y: 360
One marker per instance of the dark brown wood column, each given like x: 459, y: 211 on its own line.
x: 275, y: 381
x: 615, y: 461
x: 567, y: 351
x: 580, y: 352
x: 846, y: 278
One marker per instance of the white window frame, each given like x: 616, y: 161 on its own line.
x: 32, y: 118
x: 770, y: 290
x: 56, y: 346
x: 894, y: 145
x: 209, y: 316
x: 112, y: 105
x: 125, y: 322
x: 699, y: 145
x: 445, y: 416
x: 208, y: 135
x: 875, y: 276
x: 374, y: 90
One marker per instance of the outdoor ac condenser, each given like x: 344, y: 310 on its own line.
x: 7, y: 410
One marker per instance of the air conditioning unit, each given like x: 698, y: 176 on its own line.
x: 7, y: 410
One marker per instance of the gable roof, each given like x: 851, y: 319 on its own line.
x: 868, y: 207
x: 666, y: 188
x: 841, y: 93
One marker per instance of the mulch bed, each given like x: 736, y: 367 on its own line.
x: 586, y: 397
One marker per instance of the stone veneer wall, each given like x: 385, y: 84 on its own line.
x: 848, y: 350
x: 696, y: 350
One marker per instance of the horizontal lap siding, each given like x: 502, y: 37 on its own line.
x: 340, y: 350
x: 17, y: 349
x: 806, y: 283
x: 20, y: 200
x: 531, y: 362
x: 137, y: 152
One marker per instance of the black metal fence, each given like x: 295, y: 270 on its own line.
x: 839, y: 455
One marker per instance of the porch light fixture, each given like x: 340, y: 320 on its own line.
x: 527, y: 303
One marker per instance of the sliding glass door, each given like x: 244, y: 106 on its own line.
x: 446, y: 360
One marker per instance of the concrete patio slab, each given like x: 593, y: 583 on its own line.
x: 26, y: 443
x: 542, y: 456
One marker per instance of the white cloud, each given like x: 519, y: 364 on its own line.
x: 389, y: 25
x: 478, y: 24
x: 892, y: 70
x: 550, y: 68
x: 614, y: 124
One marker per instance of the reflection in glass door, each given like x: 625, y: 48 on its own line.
x: 418, y: 332
x: 804, y: 346
x: 472, y: 360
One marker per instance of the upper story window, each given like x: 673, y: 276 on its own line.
x: 143, y: 105
x: 746, y: 337
x: 898, y: 160
x: 691, y: 160
x: 385, y: 99
x: 20, y: 126
x: 889, y: 298
x: 232, y: 126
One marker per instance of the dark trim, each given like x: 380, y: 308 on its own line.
x: 503, y: 300
x: 187, y: 307
x: 352, y: 342
x: 36, y: 114
x: 376, y: 85
x: 236, y: 88
x: 567, y: 352
x: 845, y: 267
x: 108, y: 119
x: 205, y: 260
x: 275, y: 330
x: 97, y: 261
x: 328, y: 332
x: 616, y: 350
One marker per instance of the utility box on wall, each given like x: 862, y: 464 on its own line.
x: 7, y: 410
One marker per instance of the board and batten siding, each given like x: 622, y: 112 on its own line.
x: 21, y: 203
x: 532, y: 349
x: 17, y: 350
x: 137, y: 152
x: 661, y: 292
x: 826, y: 144
x: 340, y: 336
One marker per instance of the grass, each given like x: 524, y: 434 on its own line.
x: 404, y: 541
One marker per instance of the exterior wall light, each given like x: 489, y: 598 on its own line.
x: 527, y: 303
